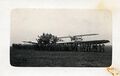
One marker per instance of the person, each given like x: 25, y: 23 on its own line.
x: 102, y: 48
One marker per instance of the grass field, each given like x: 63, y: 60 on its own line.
x: 60, y: 59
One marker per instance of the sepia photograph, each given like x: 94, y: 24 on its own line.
x: 61, y: 38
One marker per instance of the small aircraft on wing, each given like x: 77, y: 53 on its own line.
x: 76, y: 37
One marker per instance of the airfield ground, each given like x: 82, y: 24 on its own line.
x: 34, y: 58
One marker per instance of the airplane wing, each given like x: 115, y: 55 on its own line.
x: 92, y: 42
x: 97, y: 41
x: 64, y: 37
x: 86, y: 35
x: 29, y: 42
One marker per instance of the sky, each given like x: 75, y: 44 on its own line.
x: 27, y: 24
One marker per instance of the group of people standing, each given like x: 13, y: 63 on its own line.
x: 81, y: 47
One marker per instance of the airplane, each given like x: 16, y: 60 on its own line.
x: 75, y: 38
x: 78, y: 41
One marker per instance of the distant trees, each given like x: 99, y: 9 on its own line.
x: 46, y: 39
